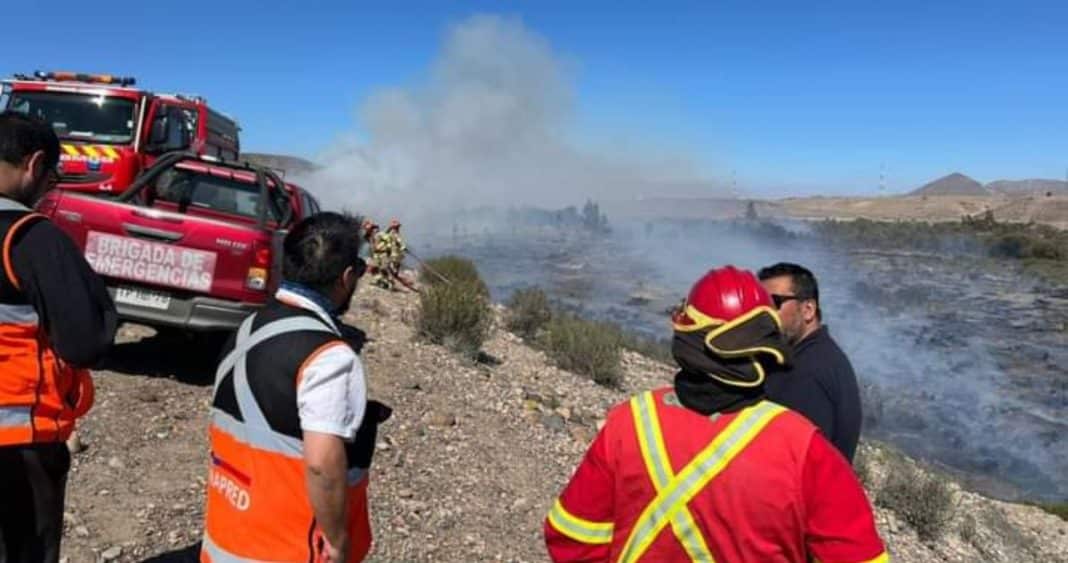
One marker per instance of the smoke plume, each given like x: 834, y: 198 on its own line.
x: 489, y: 125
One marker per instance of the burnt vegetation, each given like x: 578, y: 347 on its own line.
x: 589, y: 219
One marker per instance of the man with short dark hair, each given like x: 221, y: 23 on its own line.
x: 56, y: 320
x: 292, y: 431
x: 820, y: 384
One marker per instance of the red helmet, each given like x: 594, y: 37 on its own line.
x: 731, y: 314
x: 721, y: 296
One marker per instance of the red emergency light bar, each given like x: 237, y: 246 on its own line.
x: 82, y: 77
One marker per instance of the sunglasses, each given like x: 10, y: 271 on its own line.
x: 779, y: 300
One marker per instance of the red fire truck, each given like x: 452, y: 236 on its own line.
x: 111, y: 131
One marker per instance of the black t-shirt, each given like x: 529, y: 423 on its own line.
x: 821, y: 385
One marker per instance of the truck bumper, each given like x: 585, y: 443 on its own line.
x: 192, y: 313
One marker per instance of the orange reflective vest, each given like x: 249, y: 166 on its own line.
x: 664, y: 483
x: 40, y: 395
x: 257, y: 501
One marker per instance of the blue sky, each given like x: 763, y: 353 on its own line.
x: 796, y: 97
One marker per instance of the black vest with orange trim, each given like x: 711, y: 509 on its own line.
x: 40, y: 395
x: 257, y: 501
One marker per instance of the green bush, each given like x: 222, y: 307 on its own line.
x: 528, y: 312
x: 455, y: 269
x: 457, y: 315
x: 1022, y: 245
x: 923, y: 500
x: 588, y: 348
x: 1045, y: 250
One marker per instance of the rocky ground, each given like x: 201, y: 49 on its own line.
x: 465, y: 470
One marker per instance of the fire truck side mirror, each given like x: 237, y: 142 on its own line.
x: 168, y: 131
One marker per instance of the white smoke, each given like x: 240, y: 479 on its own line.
x: 489, y: 126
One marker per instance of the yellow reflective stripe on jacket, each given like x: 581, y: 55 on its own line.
x: 883, y: 558
x: 658, y: 464
x: 578, y: 529
x: 693, y: 478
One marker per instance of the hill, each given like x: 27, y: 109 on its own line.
x: 1030, y: 186
x: 953, y: 184
x: 290, y: 164
x: 465, y: 470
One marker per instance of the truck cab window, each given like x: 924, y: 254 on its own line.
x: 193, y: 190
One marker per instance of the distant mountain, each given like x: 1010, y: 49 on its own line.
x: 954, y: 184
x: 1036, y: 185
x: 291, y: 164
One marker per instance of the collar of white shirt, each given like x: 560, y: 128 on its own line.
x: 297, y: 300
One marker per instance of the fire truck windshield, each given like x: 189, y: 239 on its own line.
x: 83, y: 117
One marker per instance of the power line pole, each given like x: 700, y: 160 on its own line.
x: 882, y: 179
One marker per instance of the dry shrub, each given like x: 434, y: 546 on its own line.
x: 588, y: 348
x: 862, y: 467
x: 923, y: 500
x: 456, y: 314
x: 659, y: 350
x: 528, y: 312
x: 454, y: 270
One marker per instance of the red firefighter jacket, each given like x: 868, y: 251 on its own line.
x: 664, y: 483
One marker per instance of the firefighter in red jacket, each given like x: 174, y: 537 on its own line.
x: 708, y: 469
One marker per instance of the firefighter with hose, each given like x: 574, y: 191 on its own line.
x: 380, y: 247
x: 397, y: 248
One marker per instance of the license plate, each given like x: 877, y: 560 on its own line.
x: 143, y: 298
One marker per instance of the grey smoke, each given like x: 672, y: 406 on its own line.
x: 490, y: 124
x: 929, y: 367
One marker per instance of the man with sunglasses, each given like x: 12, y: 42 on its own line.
x: 292, y: 432
x: 820, y: 383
